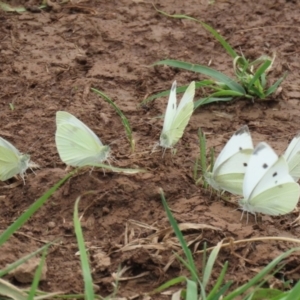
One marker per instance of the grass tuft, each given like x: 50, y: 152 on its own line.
x: 125, y: 121
x: 251, y: 76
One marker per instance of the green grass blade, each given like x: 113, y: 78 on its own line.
x: 263, y: 80
x: 119, y: 170
x: 180, y: 237
x: 209, y: 100
x: 168, y: 284
x: 294, y: 293
x: 217, y: 36
x: 202, y: 148
x: 203, y: 70
x: 37, y: 276
x: 267, y: 294
x: 31, y: 210
x: 260, y: 275
x: 226, y: 93
x: 221, y: 292
x: 86, y: 272
x: 181, y: 89
x: 259, y: 72
x: 274, y: 87
x: 8, y: 8
x: 20, y: 261
x: 124, y: 120
x: 190, y: 268
x: 214, y: 291
x: 11, y: 291
x: 210, y: 263
x: 191, y: 290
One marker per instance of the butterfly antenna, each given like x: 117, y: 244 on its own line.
x: 39, y: 138
x: 118, y: 139
x: 111, y: 157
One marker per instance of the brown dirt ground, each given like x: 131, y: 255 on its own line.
x: 49, y: 61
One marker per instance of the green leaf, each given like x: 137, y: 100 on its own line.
x: 293, y: 294
x: 204, y: 70
x: 87, y: 277
x: 210, y: 263
x: 209, y: 100
x: 191, y: 290
x: 37, y: 276
x: 274, y: 87
x: 168, y: 284
x: 11, y: 291
x: 259, y: 72
x: 180, y: 237
x: 215, y: 290
x: 261, y: 294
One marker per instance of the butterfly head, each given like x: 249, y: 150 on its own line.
x: 165, y: 141
x: 24, y: 161
x: 209, y: 178
x: 104, y: 154
x: 23, y: 165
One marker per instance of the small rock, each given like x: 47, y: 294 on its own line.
x: 25, y: 272
x: 102, y: 261
x: 51, y: 225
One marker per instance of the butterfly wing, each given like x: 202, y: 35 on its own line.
x: 187, y: 97
x: 262, y: 159
x: 230, y: 175
x: 241, y: 140
x: 10, y: 161
x: 171, y: 109
x: 292, y: 156
x: 230, y: 166
x: 6, y: 144
x: 77, y: 146
x: 63, y: 117
x: 174, y: 131
x: 276, y: 193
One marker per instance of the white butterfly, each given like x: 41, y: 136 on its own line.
x: 77, y: 144
x: 12, y: 162
x: 230, y: 166
x: 268, y: 187
x: 177, y: 118
x: 292, y: 156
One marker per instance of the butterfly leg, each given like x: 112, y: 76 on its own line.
x: 23, y: 177
x: 154, y: 148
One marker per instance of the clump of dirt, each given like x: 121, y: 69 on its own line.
x: 49, y: 61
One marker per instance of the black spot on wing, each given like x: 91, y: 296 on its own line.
x: 265, y: 166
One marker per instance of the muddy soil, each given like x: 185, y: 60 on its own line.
x: 50, y: 59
